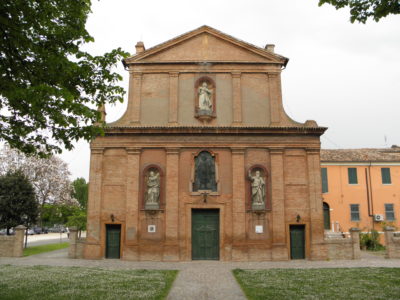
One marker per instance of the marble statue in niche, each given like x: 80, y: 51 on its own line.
x: 257, y: 189
x: 205, y: 97
x: 152, y: 193
x: 204, y: 172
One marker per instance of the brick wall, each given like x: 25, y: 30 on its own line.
x: 344, y: 248
x: 12, y: 245
x: 392, y: 240
x: 339, y: 248
x: 76, y: 244
x: 6, y: 245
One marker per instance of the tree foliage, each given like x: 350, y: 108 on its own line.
x: 48, y: 176
x: 80, y: 191
x: 362, y: 10
x: 58, y: 214
x: 17, y: 201
x: 78, y: 219
x: 49, y: 87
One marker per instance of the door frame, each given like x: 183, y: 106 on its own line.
x: 306, y: 239
x: 103, y: 239
x: 189, y: 208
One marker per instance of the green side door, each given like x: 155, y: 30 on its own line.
x: 297, y: 242
x: 205, y: 234
x: 113, y: 240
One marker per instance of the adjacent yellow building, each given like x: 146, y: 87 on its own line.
x: 361, y: 188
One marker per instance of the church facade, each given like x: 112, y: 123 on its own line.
x: 205, y: 163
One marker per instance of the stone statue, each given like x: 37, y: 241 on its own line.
x: 257, y: 190
x: 153, y: 190
x: 205, y: 99
x: 205, y: 173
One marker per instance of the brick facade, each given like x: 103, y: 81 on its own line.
x: 247, y: 127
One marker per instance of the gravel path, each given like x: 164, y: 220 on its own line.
x: 200, y: 279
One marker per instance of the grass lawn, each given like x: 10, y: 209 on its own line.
x: 352, y: 283
x: 45, y: 282
x: 44, y: 248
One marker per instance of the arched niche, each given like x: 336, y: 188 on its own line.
x: 148, y: 179
x: 204, y: 172
x: 253, y: 189
x: 205, y: 90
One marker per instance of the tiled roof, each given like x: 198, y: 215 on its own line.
x: 357, y: 155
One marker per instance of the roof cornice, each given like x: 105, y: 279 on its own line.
x: 228, y: 130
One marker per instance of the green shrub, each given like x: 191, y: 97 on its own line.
x: 370, y: 241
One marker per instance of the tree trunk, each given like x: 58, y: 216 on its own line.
x: 26, y: 237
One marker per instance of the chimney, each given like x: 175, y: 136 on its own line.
x: 139, y: 47
x: 270, y: 47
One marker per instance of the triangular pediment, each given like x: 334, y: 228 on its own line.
x: 209, y: 45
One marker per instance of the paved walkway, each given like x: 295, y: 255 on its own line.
x: 200, y: 279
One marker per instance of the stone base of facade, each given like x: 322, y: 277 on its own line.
x: 280, y: 252
x: 332, y: 249
x: 92, y: 251
x: 319, y: 251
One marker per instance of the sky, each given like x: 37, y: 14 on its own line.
x: 345, y: 76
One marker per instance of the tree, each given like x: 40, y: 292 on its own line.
x: 78, y: 219
x: 17, y: 201
x: 58, y: 214
x: 48, y: 176
x: 49, y: 88
x: 362, y: 10
x: 80, y: 191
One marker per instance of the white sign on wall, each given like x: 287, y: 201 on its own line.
x: 151, y: 228
x: 259, y: 229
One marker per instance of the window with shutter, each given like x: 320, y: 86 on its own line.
x: 355, y: 212
x: 389, y: 211
x: 386, y: 176
x: 352, y: 172
x: 324, y: 178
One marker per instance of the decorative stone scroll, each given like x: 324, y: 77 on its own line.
x: 258, y: 189
x: 205, y: 99
x: 152, y: 189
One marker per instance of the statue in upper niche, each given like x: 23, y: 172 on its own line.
x: 205, y: 97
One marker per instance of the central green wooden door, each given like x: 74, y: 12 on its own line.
x: 205, y: 234
x: 113, y: 240
x: 297, y: 242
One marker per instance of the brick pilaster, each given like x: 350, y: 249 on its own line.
x: 279, y: 245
